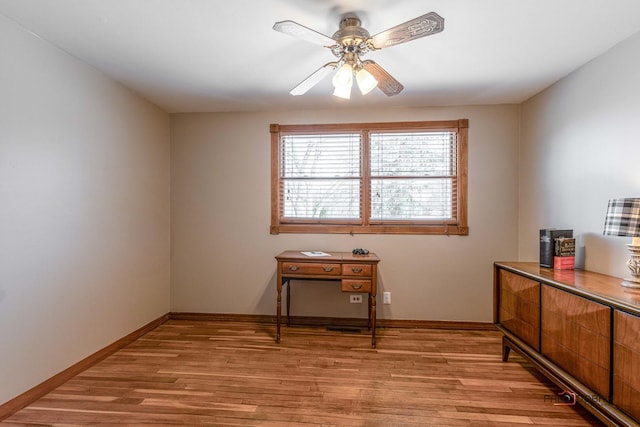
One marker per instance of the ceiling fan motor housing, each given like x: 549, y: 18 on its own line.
x: 351, y: 33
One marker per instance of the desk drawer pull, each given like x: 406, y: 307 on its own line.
x: 356, y: 286
x: 356, y: 269
x: 327, y: 268
x: 294, y: 268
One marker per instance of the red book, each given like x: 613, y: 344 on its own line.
x: 564, y: 262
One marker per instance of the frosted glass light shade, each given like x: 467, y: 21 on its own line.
x: 366, y: 82
x: 342, y: 92
x: 342, y: 81
x: 344, y: 76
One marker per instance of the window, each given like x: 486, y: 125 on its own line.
x: 400, y: 178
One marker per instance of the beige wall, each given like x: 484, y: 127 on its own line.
x: 223, y: 254
x: 84, y: 211
x: 580, y: 147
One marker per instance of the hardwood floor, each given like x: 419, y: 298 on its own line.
x: 234, y: 374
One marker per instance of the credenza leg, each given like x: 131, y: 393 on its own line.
x: 506, y: 349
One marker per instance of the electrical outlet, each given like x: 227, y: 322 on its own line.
x: 355, y: 299
x: 386, y: 298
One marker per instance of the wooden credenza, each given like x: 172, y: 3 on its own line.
x: 581, y: 329
x: 356, y: 273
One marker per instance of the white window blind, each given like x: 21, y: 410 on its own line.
x: 413, y: 176
x: 321, y: 176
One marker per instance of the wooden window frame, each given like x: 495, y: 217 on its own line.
x: 436, y: 227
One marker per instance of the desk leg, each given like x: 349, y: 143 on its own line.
x: 372, y: 317
x: 369, y: 312
x: 279, y: 303
x: 288, y: 301
x: 372, y: 304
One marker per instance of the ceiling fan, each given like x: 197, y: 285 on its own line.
x: 350, y: 43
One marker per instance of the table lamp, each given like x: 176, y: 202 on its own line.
x: 623, y: 219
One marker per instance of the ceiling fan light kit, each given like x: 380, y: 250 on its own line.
x: 349, y: 43
x: 343, y: 78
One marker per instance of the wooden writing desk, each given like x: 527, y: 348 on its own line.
x: 357, y: 273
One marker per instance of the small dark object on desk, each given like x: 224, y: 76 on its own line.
x: 360, y: 251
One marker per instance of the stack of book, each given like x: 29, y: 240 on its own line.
x: 565, y: 253
x: 548, y: 237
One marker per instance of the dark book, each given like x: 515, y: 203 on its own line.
x: 548, y: 238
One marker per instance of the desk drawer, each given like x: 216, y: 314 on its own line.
x: 320, y: 269
x: 361, y: 270
x: 356, y: 285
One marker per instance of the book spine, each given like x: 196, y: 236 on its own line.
x: 546, y: 249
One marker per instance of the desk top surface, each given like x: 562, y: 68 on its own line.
x: 332, y: 257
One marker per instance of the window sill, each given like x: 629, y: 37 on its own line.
x: 455, y: 230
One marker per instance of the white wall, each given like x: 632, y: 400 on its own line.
x: 580, y: 147
x: 84, y: 211
x: 223, y: 255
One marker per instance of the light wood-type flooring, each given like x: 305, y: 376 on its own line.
x: 234, y: 374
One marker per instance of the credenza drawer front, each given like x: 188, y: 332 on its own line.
x: 520, y: 307
x: 355, y: 285
x: 320, y: 269
x: 626, y: 363
x: 356, y: 270
x: 576, y: 335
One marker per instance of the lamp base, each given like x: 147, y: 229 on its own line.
x: 634, y: 265
x: 630, y: 284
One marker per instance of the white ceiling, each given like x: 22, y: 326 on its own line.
x: 222, y: 55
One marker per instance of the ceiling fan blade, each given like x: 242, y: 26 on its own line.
x: 425, y: 25
x: 296, y: 30
x: 386, y: 83
x: 313, y: 79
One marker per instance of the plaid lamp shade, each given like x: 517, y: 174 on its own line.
x: 623, y: 218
